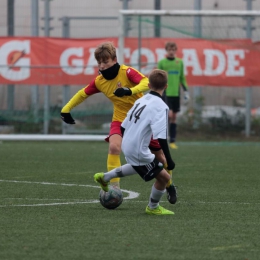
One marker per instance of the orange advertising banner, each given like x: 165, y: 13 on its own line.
x: 58, y: 61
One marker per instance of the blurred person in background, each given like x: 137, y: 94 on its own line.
x: 176, y: 79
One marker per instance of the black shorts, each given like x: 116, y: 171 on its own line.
x: 173, y: 103
x: 150, y: 170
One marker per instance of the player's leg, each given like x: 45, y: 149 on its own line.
x: 104, y: 178
x: 114, y: 150
x: 113, y: 158
x: 157, y: 191
x: 159, y: 155
x: 155, y: 148
x: 174, y: 105
x: 172, y: 128
x: 148, y: 172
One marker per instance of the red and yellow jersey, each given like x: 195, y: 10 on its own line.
x: 126, y: 77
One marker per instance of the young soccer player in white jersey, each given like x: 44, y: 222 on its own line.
x: 146, y: 119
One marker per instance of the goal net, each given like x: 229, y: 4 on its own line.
x: 186, y: 24
x: 221, y: 57
x: 210, y: 44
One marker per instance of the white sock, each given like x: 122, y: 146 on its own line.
x: 155, y: 197
x: 122, y: 171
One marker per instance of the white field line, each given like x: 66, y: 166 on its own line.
x: 50, y: 204
x: 42, y: 199
x: 97, y: 201
x: 131, y: 194
x: 205, y: 202
x: 141, y: 201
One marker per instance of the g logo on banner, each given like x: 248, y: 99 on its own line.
x: 13, y: 65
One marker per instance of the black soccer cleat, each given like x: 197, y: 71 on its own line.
x: 171, y: 194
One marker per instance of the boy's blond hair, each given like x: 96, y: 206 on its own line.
x: 158, y: 79
x: 105, y: 51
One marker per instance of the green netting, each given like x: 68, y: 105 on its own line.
x: 212, y: 27
x: 28, y: 121
x: 93, y: 116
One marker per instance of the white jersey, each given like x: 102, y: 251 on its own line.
x: 148, y: 117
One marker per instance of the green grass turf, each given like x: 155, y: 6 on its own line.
x: 216, y: 217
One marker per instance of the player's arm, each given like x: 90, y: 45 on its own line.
x: 183, y: 81
x: 164, y: 145
x: 184, y: 85
x: 77, y: 99
x: 136, y: 77
x: 159, y: 128
x: 141, y: 87
x: 160, y: 66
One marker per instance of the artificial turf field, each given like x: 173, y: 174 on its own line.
x: 49, y: 208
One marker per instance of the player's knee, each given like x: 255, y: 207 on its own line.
x: 172, y: 117
x: 165, y: 177
x: 114, y: 148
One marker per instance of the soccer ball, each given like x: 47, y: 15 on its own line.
x: 111, y: 199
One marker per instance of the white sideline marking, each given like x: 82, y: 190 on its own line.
x: 221, y: 202
x: 221, y: 248
x: 131, y: 194
x: 18, y: 137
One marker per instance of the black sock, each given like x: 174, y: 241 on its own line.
x: 173, y: 127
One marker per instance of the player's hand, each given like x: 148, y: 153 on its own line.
x: 171, y: 164
x: 186, y: 97
x: 67, y: 118
x: 120, y: 92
